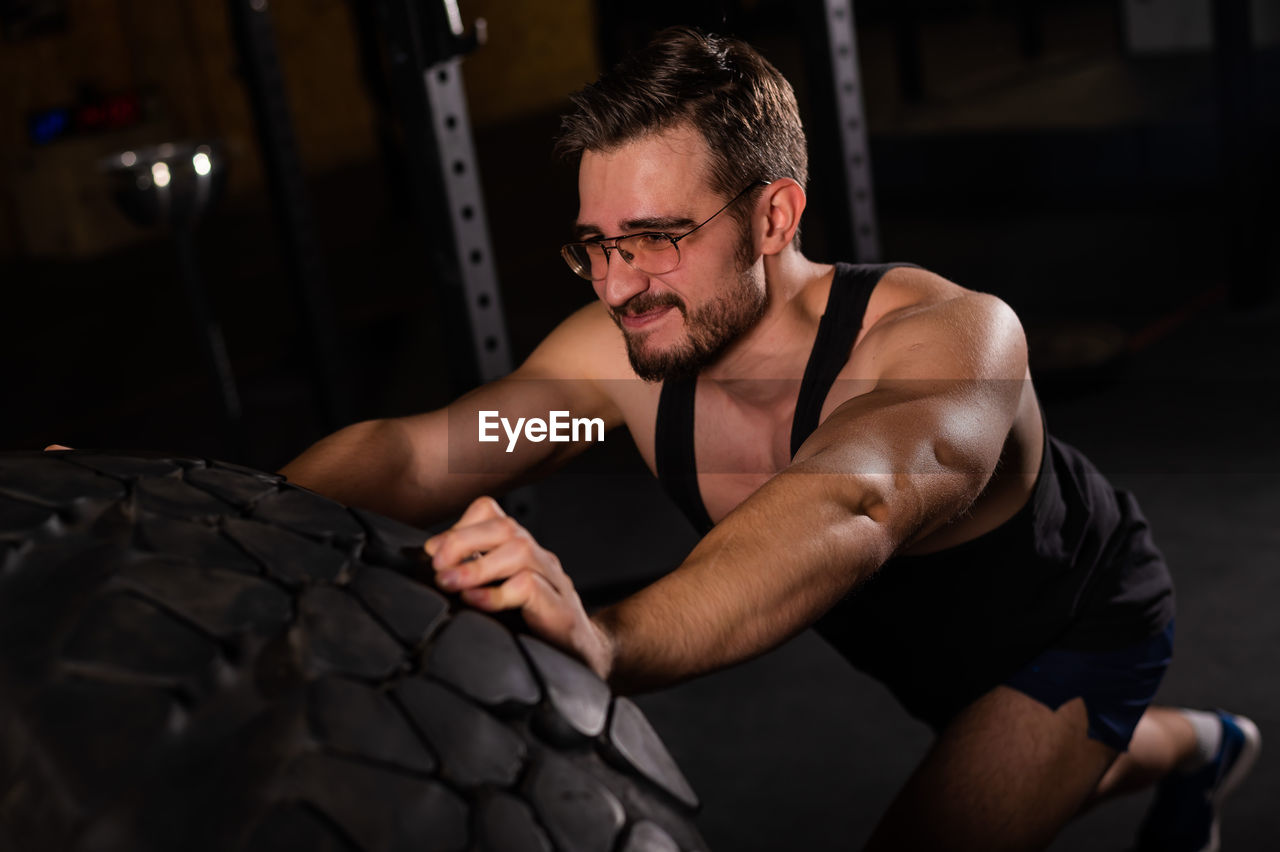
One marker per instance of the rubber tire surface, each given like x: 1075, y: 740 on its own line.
x: 195, y: 655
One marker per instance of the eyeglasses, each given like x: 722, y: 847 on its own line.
x: 650, y: 252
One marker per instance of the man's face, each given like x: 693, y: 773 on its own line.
x: 678, y: 322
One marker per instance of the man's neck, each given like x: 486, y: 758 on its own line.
x: 768, y: 361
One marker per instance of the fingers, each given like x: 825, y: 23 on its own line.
x: 518, y: 592
x: 495, y: 564
x: 55, y: 447
x: 500, y: 562
x: 447, y: 547
x: 460, y: 544
x: 481, y: 509
x: 486, y: 548
x: 547, y: 612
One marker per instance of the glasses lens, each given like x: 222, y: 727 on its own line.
x: 587, y: 260
x: 654, y: 254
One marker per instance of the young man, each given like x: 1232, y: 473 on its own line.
x: 865, y: 453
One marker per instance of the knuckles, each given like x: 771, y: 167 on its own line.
x: 526, y: 551
x: 527, y: 572
x: 489, y: 504
x: 511, y: 529
x: 521, y: 583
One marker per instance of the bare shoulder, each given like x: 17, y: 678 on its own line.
x: 906, y: 287
x: 585, y: 359
x: 586, y: 345
x: 918, y: 318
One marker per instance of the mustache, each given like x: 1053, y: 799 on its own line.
x: 645, y: 302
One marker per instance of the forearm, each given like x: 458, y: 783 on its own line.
x: 370, y: 465
x: 757, y: 579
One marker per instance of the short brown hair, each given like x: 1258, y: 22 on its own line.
x: 744, y: 109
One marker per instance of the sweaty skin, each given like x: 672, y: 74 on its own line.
x: 933, y: 401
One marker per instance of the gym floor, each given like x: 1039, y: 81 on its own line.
x: 794, y: 750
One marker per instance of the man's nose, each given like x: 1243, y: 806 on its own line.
x: 621, y: 282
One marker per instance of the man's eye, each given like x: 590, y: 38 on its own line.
x: 653, y: 241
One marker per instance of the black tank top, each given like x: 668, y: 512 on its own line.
x: 837, y: 330
x: 1075, y: 567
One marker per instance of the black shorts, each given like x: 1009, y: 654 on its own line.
x: 1072, y: 584
x: 1117, y: 686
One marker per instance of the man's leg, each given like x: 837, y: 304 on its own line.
x: 1198, y: 758
x: 1006, y: 773
x: 1163, y: 741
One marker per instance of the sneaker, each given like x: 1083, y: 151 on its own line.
x: 1184, y: 815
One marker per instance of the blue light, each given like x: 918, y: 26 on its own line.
x: 49, y: 125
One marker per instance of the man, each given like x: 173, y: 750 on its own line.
x: 865, y: 453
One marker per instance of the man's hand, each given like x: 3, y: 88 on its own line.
x: 496, y: 564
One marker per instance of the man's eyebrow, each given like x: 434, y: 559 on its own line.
x: 658, y: 223
x: 587, y: 231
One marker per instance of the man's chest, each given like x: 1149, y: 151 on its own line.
x: 736, y: 446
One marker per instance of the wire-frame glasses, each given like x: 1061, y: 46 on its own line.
x: 650, y: 252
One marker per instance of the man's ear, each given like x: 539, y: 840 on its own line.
x: 781, y: 205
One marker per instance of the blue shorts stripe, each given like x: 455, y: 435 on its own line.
x: 1117, y: 686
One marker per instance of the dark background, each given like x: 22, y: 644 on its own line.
x: 1095, y: 163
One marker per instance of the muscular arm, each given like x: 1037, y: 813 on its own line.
x: 886, y: 468
x: 428, y: 466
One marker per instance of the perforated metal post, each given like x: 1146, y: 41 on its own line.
x: 474, y: 247
x: 425, y: 41
x: 853, y: 129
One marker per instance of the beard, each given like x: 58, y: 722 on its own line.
x: 710, y: 329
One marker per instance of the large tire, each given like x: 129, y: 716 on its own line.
x: 195, y: 655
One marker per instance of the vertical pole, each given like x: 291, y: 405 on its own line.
x: 1241, y: 163
x: 906, y: 39
x: 424, y: 39
x: 208, y: 333
x: 260, y: 65
x: 430, y: 104
x: 851, y: 118
x: 473, y: 247
x: 1030, y: 28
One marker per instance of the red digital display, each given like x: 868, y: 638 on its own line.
x: 114, y: 112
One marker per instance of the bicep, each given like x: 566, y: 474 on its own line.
x: 919, y: 447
